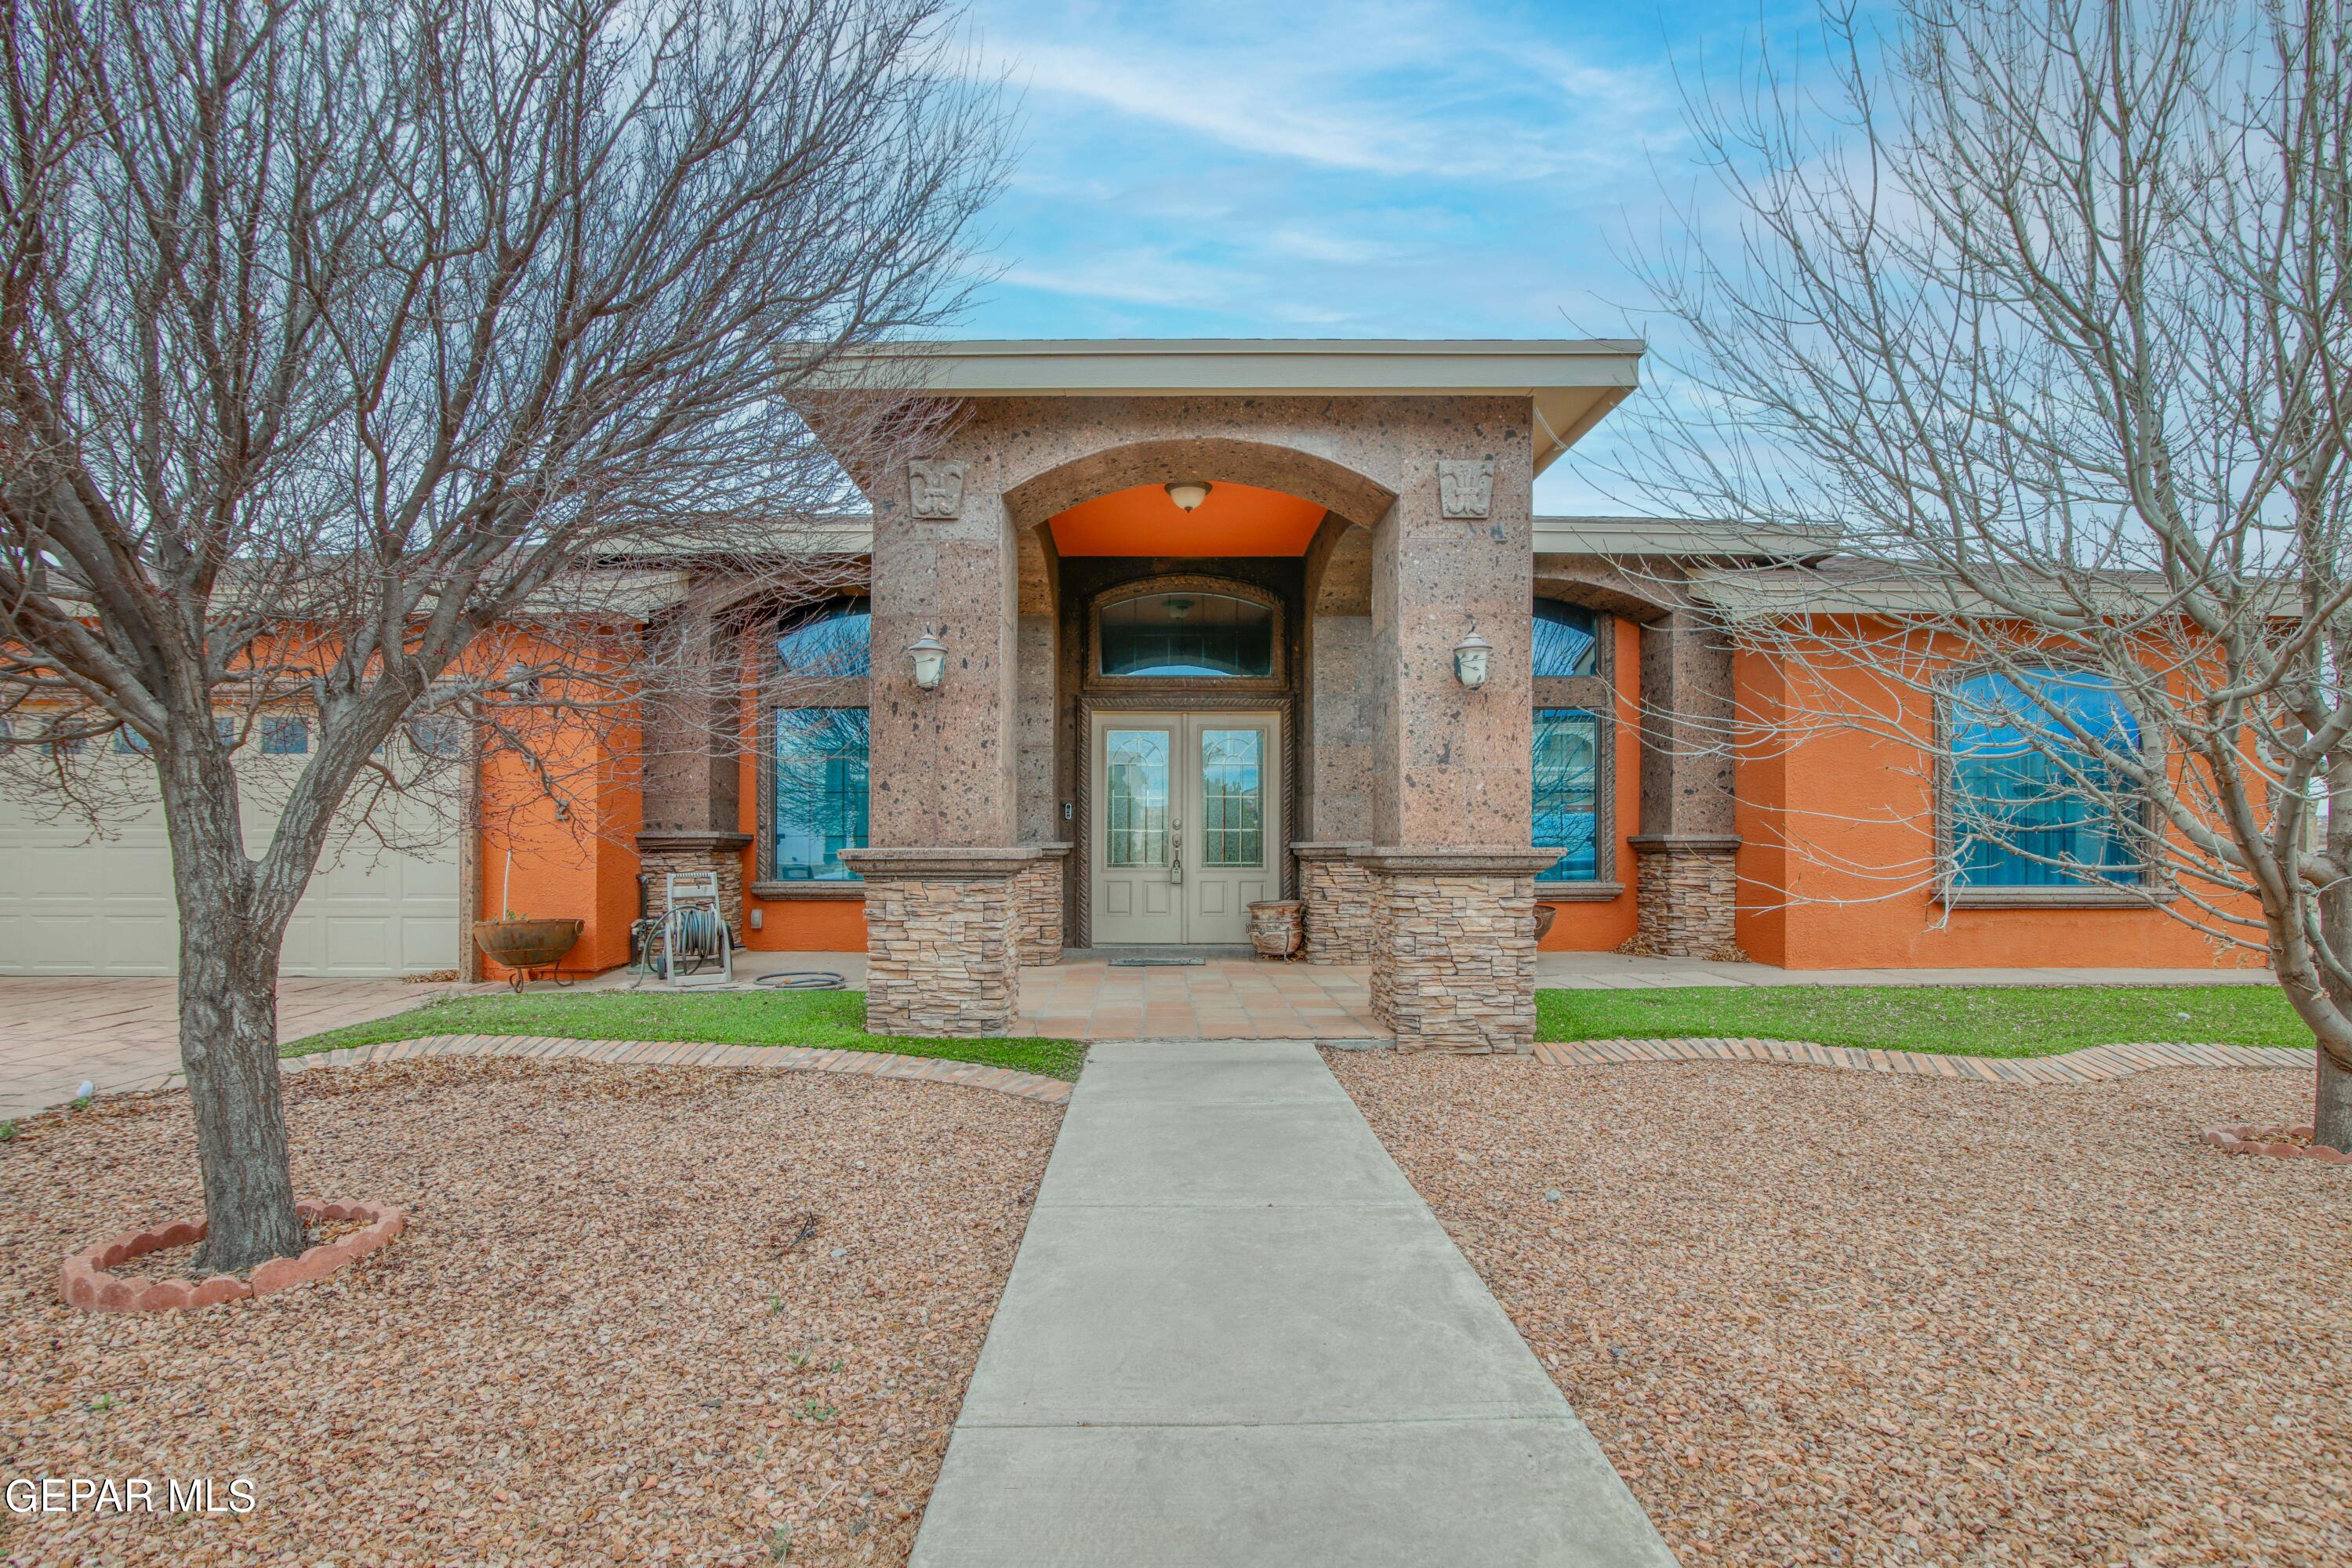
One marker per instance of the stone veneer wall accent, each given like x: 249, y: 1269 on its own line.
x: 1037, y: 894
x: 942, y: 944
x: 1454, y: 966
x: 1336, y: 895
x: 660, y: 856
x: 1686, y: 893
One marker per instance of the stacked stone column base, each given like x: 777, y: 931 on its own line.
x: 1453, y: 961
x: 1037, y: 888
x: 1335, y: 897
x: 662, y: 855
x: 1686, y: 893
x: 942, y: 940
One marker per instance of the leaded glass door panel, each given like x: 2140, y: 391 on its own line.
x: 1185, y: 825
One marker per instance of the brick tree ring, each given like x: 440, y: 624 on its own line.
x: 2279, y: 1142
x: 84, y: 1283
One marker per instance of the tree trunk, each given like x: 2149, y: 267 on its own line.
x: 2332, y: 1116
x: 228, y: 1020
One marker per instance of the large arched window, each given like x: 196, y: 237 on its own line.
x: 817, y: 740
x: 1189, y: 633
x: 2028, y: 804
x: 832, y: 644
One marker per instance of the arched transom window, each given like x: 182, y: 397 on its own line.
x: 1185, y: 634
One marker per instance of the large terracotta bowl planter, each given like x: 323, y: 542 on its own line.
x: 525, y: 945
x: 1274, y: 927
x: 1545, y: 915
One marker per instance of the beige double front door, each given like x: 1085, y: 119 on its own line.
x: 1186, y: 825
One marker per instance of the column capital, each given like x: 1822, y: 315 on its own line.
x: 949, y: 865
x: 1459, y: 860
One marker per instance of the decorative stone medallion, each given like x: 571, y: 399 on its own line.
x: 938, y: 487
x: 1465, y: 488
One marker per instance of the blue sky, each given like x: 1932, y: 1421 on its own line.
x: 1306, y: 168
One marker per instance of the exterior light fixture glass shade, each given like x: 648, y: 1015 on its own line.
x: 930, y: 657
x: 1471, y: 657
x: 1188, y: 494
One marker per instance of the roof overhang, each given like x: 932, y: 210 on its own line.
x: 1570, y: 383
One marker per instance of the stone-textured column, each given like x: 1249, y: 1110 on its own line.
x: 1686, y: 883
x: 1453, y: 872
x: 661, y: 854
x: 1336, y: 893
x: 942, y: 944
x: 1038, y: 890
x: 941, y: 900
x: 1453, y: 961
x: 692, y: 760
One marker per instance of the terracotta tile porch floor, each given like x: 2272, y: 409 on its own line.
x: 1218, y: 999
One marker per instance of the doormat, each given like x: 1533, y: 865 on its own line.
x: 1157, y: 962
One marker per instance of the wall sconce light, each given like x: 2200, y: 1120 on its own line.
x: 930, y: 657
x: 1188, y: 494
x: 1471, y: 656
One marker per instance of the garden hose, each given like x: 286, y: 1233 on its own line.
x: 801, y: 980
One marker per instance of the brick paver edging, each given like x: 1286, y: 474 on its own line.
x: 84, y: 1282
x: 692, y: 1054
x: 2094, y: 1064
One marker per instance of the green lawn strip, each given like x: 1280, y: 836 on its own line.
x: 823, y: 1020
x: 1958, y: 1020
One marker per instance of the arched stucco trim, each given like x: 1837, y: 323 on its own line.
x: 1335, y: 487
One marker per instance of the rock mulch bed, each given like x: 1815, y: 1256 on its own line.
x: 1821, y: 1318
x: 609, y: 1334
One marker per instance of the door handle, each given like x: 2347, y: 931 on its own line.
x: 1175, y: 848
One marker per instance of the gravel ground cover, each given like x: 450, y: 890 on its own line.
x: 1815, y: 1318
x: 598, y: 1342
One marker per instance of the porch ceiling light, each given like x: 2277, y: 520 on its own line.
x: 1188, y: 494
x: 930, y: 657
x: 1471, y: 657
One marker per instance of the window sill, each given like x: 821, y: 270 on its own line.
x: 2054, y: 898
x: 1577, y: 892
x: 789, y: 892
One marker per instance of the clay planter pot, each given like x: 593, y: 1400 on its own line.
x: 525, y: 945
x: 1274, y: 927
x: 1545, y: 915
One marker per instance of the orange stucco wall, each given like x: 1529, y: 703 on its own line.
x: 1837, y: 833
x: 1600, y: 927
x: 1237, y: 520
x: 581, y: 863
x: 1837, y: 836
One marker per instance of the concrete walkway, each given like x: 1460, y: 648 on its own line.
x: 1235, y: 1335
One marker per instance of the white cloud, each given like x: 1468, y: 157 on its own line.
x: 1429, y: 89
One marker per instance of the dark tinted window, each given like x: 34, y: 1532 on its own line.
x: 1187, y: 634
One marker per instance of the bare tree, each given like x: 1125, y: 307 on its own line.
x: 2040, y: 311
x: 410, y: 358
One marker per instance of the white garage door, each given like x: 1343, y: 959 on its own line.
x: 72, y: 902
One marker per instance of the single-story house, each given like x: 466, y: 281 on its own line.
x: 1161, y: 629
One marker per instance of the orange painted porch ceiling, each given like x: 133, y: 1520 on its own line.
x: 1237, y: 520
